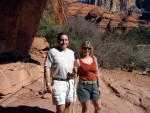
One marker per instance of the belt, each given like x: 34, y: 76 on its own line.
x: 60, y: 79
x: 88, y: 81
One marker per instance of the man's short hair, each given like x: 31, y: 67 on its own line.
x: 60, y: 34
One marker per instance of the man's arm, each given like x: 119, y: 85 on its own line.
x: 48, y: 79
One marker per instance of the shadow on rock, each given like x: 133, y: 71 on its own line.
x: 23, y: 109
x: 8, y: 58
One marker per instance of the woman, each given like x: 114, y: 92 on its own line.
x: 89, y: 81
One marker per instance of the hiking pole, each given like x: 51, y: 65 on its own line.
x: 75, y: 80
x: 74, y: 92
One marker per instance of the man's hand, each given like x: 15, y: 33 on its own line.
x: 75, y: 68
x: 50, y: 89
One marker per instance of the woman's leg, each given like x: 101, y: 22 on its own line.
x: 84, y: 107
x: 97, y: 105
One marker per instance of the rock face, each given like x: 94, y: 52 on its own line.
x: 40, y: 43
x: 116, y: 5
x: 116, y: 21
x: 105, y: 19
x: 19, y: 20
x: 18, y: 75
x: 113, y: 21
x: 81, y: 9
x: 120, y: 5
x: 14, y: 76
x: 58, y: 10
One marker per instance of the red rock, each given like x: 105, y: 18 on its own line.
x: 22, y: 75
x: 114, y: 24
x: 129, y: 25
x: 40, y: 43
x: 19, y: 22
x: 105, y: 19
x: 82, y: 9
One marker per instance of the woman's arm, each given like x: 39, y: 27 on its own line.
x: 97, y: 74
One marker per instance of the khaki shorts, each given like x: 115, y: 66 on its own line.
x: 63, y: 91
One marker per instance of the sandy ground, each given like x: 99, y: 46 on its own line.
x: 29, y: 98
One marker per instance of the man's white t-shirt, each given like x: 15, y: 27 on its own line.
x: 61, y: 61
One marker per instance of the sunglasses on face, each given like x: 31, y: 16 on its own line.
x: 85, y: 48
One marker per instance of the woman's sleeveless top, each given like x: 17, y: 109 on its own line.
x: 87, y: 71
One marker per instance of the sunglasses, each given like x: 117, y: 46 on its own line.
x: 85, y: 48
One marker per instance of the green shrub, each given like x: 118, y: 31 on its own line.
x: 136, y: 36
x: 112, y: 51
x: 80, y: 29
x: 46, y: 22
x: 114, y: 54
x: 75, y: 46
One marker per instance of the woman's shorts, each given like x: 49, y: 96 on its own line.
x: 86, y: 91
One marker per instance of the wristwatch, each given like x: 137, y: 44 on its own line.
x: 48, y: 84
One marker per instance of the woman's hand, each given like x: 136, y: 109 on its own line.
x: 99, y: 90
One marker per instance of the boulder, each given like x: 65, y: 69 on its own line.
x: 18, y: 75
x: 40, y: 43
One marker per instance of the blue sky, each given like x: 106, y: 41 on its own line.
x: 80, y: 0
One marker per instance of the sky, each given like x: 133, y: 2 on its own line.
x: 80, y: 0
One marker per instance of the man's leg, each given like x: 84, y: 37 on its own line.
x: 60, y: 108
x: 59, y: 95
x: 69, y: 96
x: 67, y: 107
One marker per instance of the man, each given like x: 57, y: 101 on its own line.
x: 59, y: 63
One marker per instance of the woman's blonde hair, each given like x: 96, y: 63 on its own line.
x: 86, y: 44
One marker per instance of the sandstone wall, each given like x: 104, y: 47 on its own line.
x: 116, y: 5
x: 14, y: 76
x: 105, y: 19
x: 121, y: 5
x: 19, y: 20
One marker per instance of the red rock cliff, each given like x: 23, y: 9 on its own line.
x: 19, y: 20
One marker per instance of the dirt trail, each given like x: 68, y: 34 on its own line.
x: 118, y: 94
